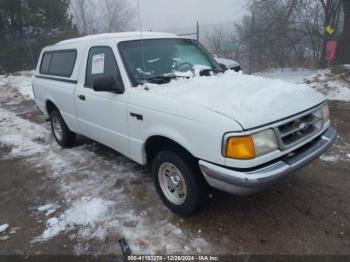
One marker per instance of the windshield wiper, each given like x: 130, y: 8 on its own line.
x: 166, y: 78
x: 162, y: 79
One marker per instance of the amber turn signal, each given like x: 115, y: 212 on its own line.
x: 240, y: 147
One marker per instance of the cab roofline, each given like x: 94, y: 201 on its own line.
x: 117, y: 36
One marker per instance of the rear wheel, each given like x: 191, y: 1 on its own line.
x: 63, y: 136
x: 178, y: 182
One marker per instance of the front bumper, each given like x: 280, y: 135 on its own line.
x: 252, y: 181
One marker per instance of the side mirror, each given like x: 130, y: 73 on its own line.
x: 107, y: 83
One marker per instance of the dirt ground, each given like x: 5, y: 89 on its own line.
x: 309, y: 213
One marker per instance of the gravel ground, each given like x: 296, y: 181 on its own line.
x: 84, y: 199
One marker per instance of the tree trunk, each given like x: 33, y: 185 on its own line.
x: 343, y: 52
x: 326, y: 36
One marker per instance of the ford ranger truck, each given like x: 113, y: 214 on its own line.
x: 163, y: 101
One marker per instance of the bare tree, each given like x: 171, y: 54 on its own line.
x: 223, y: 43
x: 277, y: 42
x: 343, y: 53
x: 118, y: 14
x: 287, y: 33
x: 102, y: 16
x: 83, y: 15
x: 330, y: 9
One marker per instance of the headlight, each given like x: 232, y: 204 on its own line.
x: 325, y: 113
x: 265, y: 142
x: 249, y: 147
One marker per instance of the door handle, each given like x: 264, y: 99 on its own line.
x: 137, y: 116
x: 81, y: 97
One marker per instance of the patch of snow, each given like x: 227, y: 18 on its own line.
x: 291, y: 75
x: 45, y: 207
x: 14, y: 230
x: 4, y: 238
x: 324, y: 81
x: 336, y: 91
x: 336, y: 157
x: 82, y: 213
x: 50, y: 212
x: 21, y: 143
x: 21, y: 81
x: 104, y: 194
x: 329, y: 158
x: 3, y: 228
x: 250, y: 100
x: 200, y: 244
x: 49, y: 209
x: 3, y: 80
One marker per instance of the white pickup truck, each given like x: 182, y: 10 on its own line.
x: 164, y: 101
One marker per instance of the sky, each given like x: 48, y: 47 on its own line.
x: 163, y: 15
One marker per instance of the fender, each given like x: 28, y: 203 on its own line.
x: 172, y: 135
x: 69, y: 119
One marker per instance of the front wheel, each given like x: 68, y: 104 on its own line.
x: 178, y: 182
x: 63, y: 136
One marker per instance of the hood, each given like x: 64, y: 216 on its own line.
x: 250, y: 100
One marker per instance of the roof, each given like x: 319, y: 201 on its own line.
x: 124, y: 35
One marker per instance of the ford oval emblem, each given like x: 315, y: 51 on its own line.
x: 304, y: 126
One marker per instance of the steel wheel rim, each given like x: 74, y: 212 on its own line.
x: 172, y: 183
x: 57, y: 128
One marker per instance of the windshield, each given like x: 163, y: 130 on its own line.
x: 160, y: 58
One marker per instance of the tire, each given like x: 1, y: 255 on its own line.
x: 63, y: 136
x: 189, y: 182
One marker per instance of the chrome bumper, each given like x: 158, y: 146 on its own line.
x: 245, y: 183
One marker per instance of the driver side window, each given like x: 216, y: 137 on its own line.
x: 101, y: 61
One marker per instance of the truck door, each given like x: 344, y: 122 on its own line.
x: 101, y: 116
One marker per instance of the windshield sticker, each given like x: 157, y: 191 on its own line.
x: 98, y: 64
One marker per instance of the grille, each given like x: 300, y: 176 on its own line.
x: 299, y: 129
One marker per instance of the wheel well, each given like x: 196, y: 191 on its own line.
x: 155, y: 144
x: 50, y: 107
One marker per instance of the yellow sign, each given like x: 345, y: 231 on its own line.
x: 330, y: 29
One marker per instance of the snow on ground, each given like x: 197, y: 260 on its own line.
x: 25, y: 143
x: 45, y: 207
x: 48, y: 209
x: 296, y: 75
x: 22, y: 81
x: 332, y: 85
x: 82, y: 213
x: 105, y: 195
x: 339, y: 152
x: 333, y: 157
x: 3, y: 228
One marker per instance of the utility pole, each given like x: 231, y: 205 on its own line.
x: 251, y: 48
x: 197, y: 31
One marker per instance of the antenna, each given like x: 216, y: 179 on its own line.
x: 141, y: 36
